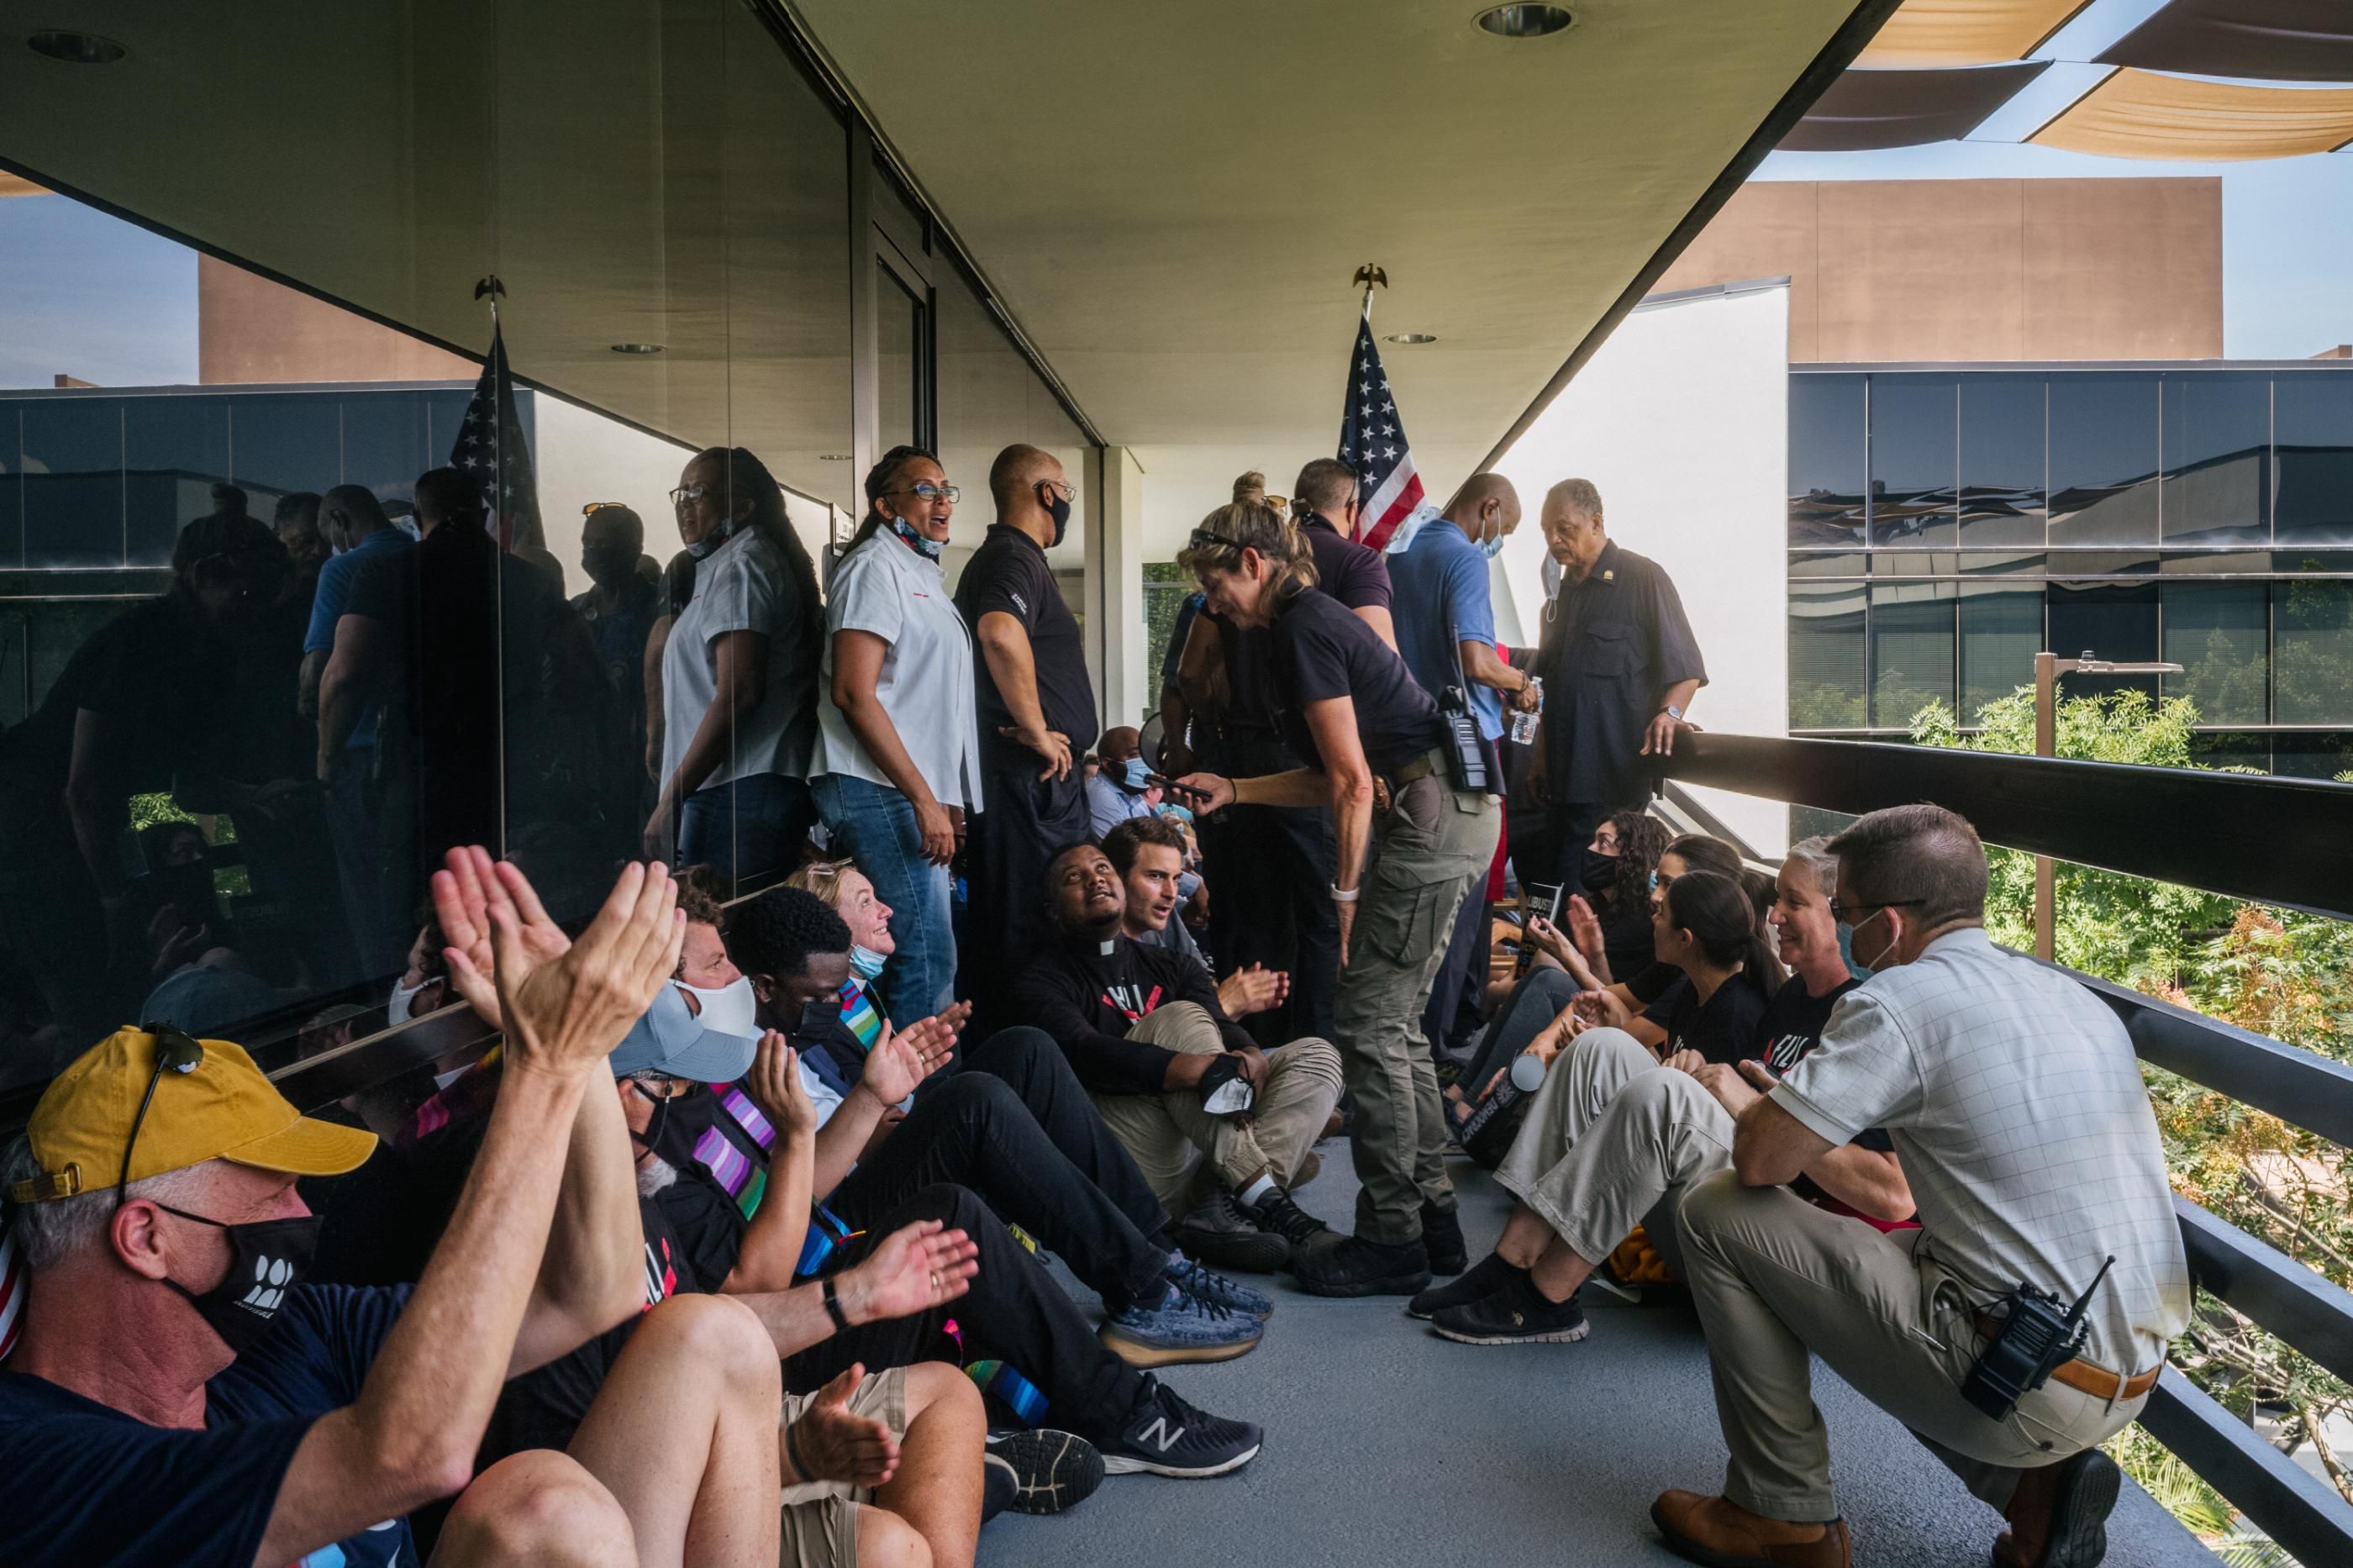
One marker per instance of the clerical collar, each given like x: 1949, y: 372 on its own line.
x: 1107, y: 946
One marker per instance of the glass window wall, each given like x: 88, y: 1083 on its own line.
x: 1912, y: 461
x: 2000, y: 460
x: 2104, y: 459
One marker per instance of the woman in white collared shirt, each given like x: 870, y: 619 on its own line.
x: 897, y: 752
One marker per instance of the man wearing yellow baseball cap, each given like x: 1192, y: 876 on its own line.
x: 179, y: 1395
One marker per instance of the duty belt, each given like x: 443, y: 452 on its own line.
x: 2084, y: 1377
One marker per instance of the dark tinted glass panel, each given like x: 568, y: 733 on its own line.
x: 2104, y: 459
x: 1827, y: 688
x: 2232, y: 750
x: 12, y: 488
x: 2002, y: 563
x: 2104, y: 562
x: 2206, y: 562
x: 2313, y: 411
x: 2001, y: 459
x: 1827, y: 564
x: 1914, y: 564
x: 73, y: 482
x: 2216, y: 458
x: 901, y: 327
x: 2001, y: 631
x: 2322, y: 756
x: 383, y: 442
x: 895, y: 210
x: 2305, y: 562
x: 1827, y: 432
x: 2113, y: 622
x: 2219, y: 633
x: 1911, y: 651
x: 286, y: 443
x: 1912, y: 462
x: 2313, y: 653
x: 175, y: 450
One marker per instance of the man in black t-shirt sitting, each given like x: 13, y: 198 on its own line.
x: 1614, y: 1137
x: 1192, y: 1098
x: 181, y: 1397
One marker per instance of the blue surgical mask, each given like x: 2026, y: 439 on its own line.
x: 1182, y: 813
x: 929, y: 548
x: 1137, y: 774
x: 702, y: 547
x: 1492, y: 547
x: 864, y: 962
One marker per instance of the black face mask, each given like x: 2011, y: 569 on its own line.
x: 1059, y: 505
x: 608, y: 565
x: 1597, y: 871
x: 677, y: 1124
x: 266, y: 1258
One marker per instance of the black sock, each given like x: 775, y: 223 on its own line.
x: 998, y: 1487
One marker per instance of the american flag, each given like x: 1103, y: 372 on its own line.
x: 491, y: 448
x: 1372, y: 442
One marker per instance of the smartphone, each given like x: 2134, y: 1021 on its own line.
x: 1174, y: 787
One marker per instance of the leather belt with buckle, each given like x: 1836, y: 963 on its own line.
x: 2082, y: 1376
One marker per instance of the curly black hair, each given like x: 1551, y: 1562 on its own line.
x: 776, y: 933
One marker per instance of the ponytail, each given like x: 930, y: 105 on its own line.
x: 1715, y: 909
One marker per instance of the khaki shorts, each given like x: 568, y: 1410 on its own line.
x: 820, y: 1518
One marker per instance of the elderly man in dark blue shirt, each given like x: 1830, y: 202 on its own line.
x: 1619, y: 668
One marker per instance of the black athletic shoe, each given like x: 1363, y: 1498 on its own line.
x: 1223, y: 1235
x: 1442, y: 1237
x: 1490, y: 1276
x: 1350, y: 1266
x: 1044, y: 1471
x: 1516, y: 1314
x: 1166, y: 1436
x: 1277, y: 1213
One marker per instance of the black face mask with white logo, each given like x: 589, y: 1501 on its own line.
x: 266, y: 1258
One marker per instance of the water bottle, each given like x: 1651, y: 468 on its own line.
x: 1523, y: 725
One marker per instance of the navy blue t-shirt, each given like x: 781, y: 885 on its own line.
x: 82, y: 1483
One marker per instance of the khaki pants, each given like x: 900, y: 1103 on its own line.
x: 1774, y: 1278
x: 820, y: 1518
x: 1434, y: 846
x: 1613, y: 1137
x: 1176, y: 1144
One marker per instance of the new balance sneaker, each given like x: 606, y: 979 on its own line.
x: 1335, y: 1265
x: 1180, y: 1327
x: 1044, y: 1471
x: 1490, y: 1276
x: 1516, y: 1314
x: 1221, y: 1232
x: 1279, y: 1213
x: 1166, y: 1436
x: 1442, y: 1237
x: 1217, y: 1289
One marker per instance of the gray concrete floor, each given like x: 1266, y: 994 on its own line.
x: 1388, y: 1445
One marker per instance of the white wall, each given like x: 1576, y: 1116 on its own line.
x: 1682, y: 420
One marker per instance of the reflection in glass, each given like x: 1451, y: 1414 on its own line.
x: 2003, y: 563
x: 2327, y: 755
x: 984, y: 388
x: 900, y: 360
x: 2001, y: 459
x: 1827, y: 690
x: 1829, y: 564
x: 2001, y: 631
x: 1911, y: 650
x: 2218, y: 431
x: 2113, y: 621
x: 1827, y: 431
x: 2313, y: 449
x: 2312, y: 658
x: 2104, y: 459
x: 1912, y: 461
x: 2218, y: 632
x: 175, y: 450
x: 72, y: 482
x: 12, y: 490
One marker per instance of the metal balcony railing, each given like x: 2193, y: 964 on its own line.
x: 2284, y: 842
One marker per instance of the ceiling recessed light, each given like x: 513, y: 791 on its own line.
x: 1411, y: 338
x: 637, y: 347
x: 1525, y: 21
x: 76, y: 48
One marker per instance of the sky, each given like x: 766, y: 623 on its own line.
x: 103, y: 300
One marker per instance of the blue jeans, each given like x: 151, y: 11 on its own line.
x: 874, y: 825
x: 749, y: 831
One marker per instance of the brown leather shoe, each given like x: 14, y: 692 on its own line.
x: 2059, y: 1515
x: 1720, y: 1533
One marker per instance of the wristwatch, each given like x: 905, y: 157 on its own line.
x: 1673, y: 711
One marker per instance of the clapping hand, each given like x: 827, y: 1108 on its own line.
x: 565, y: 1014
x: 1585, y: 927
x: 462, y: 898
x: 1548, y: 939
x: 915, y: 1269
x: 834, y: 1445
x: 1598, y: 1010
x: 902, y: 1058
x: 775, y: 1087
x: 1256, y: 989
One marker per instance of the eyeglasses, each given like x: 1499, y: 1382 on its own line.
x: 1844, y: 913
x: 176, y: 1049
x: 1062, y: 487
x: 661, y: 1088
x: 929, y: 491
x: 686, y: 493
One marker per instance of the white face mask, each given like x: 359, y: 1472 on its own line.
x: 733, y: 1009
x: 396, y: 1011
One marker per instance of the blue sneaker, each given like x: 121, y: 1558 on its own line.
x: 1217, y: 1289
x: 1180, y: 1327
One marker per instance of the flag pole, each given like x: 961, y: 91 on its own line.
x: 1369, y: 274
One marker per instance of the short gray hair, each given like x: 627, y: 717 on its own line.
x: 49, y: 1233
x: 1814, y: 855
x: 1923, y: 855
x: 1578, y: 495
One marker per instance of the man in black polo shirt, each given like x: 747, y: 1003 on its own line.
x: 1037, y: 717
x: 1620, y: 667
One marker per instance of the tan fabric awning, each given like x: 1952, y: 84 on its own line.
x: 1965, y: 32
x: 17, y: 185
x: 2141, y: 115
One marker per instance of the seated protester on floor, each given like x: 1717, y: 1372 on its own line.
x: 1614, y: 884
x: 974, y: 1132
x: 1220, y: 1129
x: 1148, y: 852
x: 1705, y: 927
x: 1583, y: 950
x: 163, y: 1406
x: 1613, y: 1139
x: 2017, y: 1107
x: 847, y: 1028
